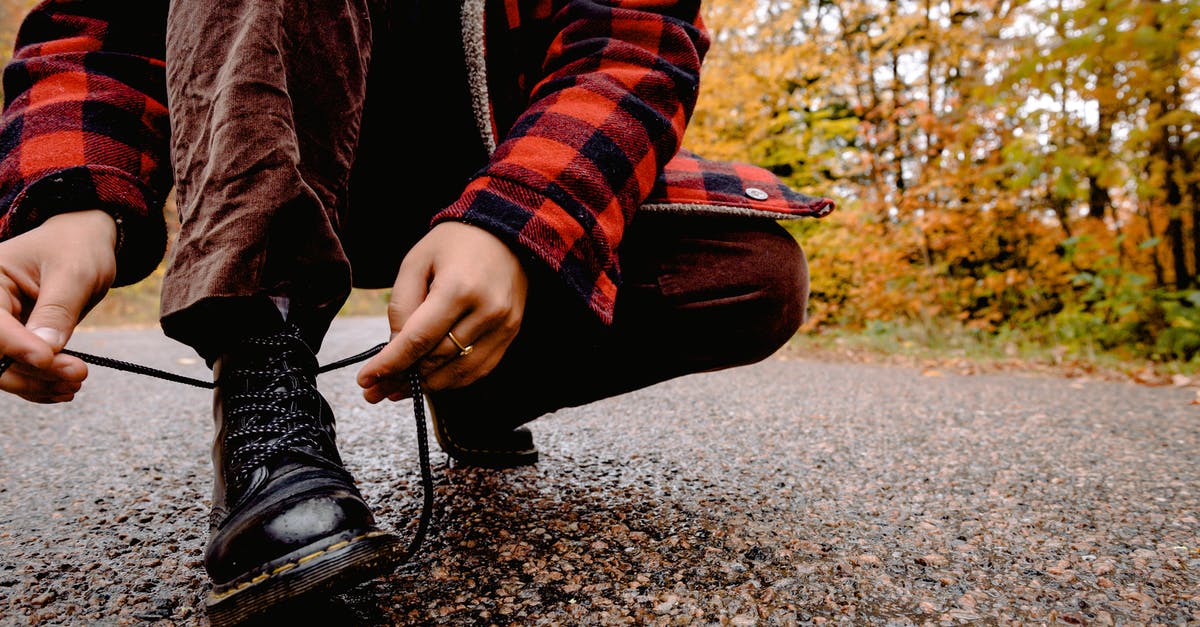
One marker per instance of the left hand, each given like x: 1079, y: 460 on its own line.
x: 459, y: 278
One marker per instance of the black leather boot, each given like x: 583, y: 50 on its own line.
x: 287, y: 521
x: 470, y: 443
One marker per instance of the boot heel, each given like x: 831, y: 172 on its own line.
x: 507, y: 449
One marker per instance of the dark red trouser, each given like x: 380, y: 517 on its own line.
x: 268, y: 110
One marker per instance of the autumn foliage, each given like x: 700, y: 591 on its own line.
x: 1001, y: 165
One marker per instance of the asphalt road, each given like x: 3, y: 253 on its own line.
x: 787, y: 492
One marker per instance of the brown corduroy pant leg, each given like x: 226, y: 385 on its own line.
x: 267, y: 103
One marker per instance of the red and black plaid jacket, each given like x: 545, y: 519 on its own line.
x: 582, y: 103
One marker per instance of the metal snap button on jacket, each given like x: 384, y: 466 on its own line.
x: 756, y: 193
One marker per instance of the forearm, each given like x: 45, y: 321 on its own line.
x: 85, y: 124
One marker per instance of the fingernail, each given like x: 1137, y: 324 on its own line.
x: 53, y: 337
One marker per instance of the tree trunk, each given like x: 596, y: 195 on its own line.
x: 1170, y: 150
x: 1155, y: 259
x: 1178, y: 252
x: 1194, y: 199
x: 1098, y: 198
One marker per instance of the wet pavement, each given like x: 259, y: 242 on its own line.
x: 787, y: 492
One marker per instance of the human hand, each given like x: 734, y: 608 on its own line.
x: 458, y: 278
x: 49, y: 277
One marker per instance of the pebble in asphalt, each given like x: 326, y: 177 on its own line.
x: 786, y: 492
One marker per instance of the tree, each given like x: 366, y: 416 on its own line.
x: 993, y: 159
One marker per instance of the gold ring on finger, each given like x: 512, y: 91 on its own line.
x: 463, y: 351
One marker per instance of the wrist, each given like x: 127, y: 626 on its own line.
x: 98, y: 225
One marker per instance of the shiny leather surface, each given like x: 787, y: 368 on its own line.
x: 301, y: 496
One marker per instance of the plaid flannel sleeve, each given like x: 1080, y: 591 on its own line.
x: 85, y: 125
x: 620, y: 82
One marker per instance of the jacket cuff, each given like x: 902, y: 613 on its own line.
x: 541, y: 232
x: 137, y: 210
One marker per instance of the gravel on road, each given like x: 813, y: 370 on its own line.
x: 787, y: 492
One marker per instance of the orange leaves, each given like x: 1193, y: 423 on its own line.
x: 984, y: 159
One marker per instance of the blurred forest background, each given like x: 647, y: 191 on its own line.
x: 1015, y: 178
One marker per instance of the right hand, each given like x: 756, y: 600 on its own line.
x: 49, y: 278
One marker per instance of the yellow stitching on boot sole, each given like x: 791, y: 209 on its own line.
x: 332, y: 547
x: 290, y: 565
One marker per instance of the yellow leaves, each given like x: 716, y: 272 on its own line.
x: 981, y: 162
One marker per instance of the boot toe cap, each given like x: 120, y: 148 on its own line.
x: 267, y: 537
x: 314, y: 518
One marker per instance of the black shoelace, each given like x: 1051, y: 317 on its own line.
x: 282, y: 423
x: 281, y: 414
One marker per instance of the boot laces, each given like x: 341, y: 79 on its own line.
x: 426, y: 516
x: 280, y: 414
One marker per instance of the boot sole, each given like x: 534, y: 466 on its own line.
x: 483, y: 458
x: 334, y: 565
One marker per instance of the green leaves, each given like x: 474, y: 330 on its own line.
x: 1001, y: 164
